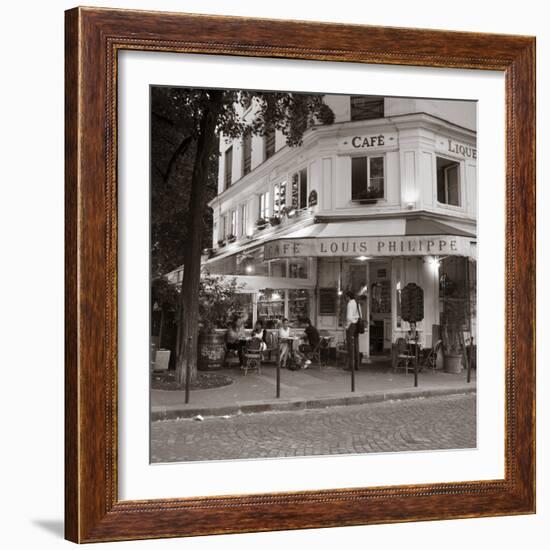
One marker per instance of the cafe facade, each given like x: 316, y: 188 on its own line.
x: 384, y: 197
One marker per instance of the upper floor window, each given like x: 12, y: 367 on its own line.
x: 299, y: 189
x: 233, y: 223
x: 244, y: 219
x: 367, y: 178
x: 448, y: 182
x: 279, y: 198
x: 269, y: 144
x: 264, y: 206
x: 247, y: 153
x: 364, y: 107
x: 228, y: 165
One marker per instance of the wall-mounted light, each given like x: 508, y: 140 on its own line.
x: 362, y: 258
x: 340, y: 292
x: 249, y: 268
x: 410, y: 205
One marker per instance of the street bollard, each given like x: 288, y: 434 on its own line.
x: 468, y: 367
x: 416, y: 364
x: 278, y: 374
x: 353, y: 364
x: 187, y: 368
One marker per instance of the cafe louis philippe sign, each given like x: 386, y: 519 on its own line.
x: 446, y: 245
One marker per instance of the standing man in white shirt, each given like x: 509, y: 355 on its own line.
x: 353, y: 314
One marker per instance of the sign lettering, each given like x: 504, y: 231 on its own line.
x: 370, y: 246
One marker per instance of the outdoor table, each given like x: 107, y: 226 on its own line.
x: 290, y: 341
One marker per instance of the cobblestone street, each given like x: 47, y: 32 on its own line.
x: 447, y: 422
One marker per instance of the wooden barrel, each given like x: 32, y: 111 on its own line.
x: 211, y: 353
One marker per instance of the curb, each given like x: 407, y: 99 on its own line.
x: 180, y: 411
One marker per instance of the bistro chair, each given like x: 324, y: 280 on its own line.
x: 431, y: 359
x: 253, y: 356
x: 404, y: 358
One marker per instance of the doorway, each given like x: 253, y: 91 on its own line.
x: 379, y: 277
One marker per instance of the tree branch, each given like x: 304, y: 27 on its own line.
x: 181, y: 149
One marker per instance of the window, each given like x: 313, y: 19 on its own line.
x: 244, y: 219
x: 222, y: 228
x: 233, y: 223
x: 279, y: 198
x: 448, y: 185
x: 299, y: 189
x: 328, y: 301
x: 271, y: 307
x: 298, y: 307
x: 228, y: 166
x: 269, y: 144
x: 277, y: 268
x: 264, y: 206
x: 297, y: 268
x: 365, y: 107
x: 367, y: 178
x: 247, y: 153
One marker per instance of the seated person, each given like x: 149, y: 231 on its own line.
x: 258, y: 333
x: 233, y: 341
x: 312, y: 336
x: 259, y: 327
x: 285, y: 348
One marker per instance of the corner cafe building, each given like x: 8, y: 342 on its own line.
x: 384, y: 197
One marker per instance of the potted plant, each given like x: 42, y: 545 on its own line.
x: 231, y: 238
x: 261, y: 223
x: 218, y: 304
x: 370, y: 195
x: 274, y: 220
x: 221, y: 243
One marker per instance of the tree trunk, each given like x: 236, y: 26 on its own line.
x: 189, y: 306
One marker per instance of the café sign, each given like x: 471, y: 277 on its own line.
x: 366, y: 142
x: 446, y: 245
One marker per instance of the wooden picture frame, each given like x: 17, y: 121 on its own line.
x: 93, y: 39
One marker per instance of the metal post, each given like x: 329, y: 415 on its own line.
x: 353, y: 360
x: 416, y: 363
x: 469, y: 371
x: 469, y: 314
x: 188, y: 368
x: 278, y: 394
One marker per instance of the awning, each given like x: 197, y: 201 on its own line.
x: 369, y: 238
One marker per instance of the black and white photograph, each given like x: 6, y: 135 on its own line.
x: 312, y: 274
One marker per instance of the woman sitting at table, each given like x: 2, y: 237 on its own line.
x: 234, y: 342
x: 284, y: 343
x: 285, y: 346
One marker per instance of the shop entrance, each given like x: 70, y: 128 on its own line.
x: 371, y: 282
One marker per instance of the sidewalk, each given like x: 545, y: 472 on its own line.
x: 305, y: 389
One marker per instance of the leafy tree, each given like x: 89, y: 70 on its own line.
x: 202, y: 114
